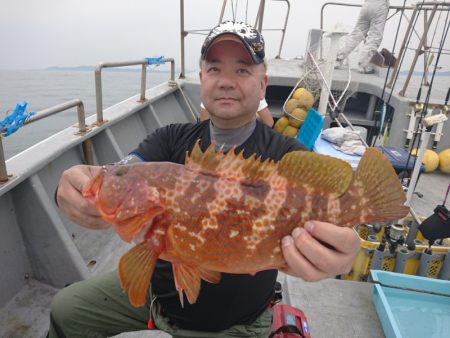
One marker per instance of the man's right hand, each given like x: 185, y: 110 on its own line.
x: 71, y: 201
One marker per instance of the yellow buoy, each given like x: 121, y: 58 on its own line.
x: 444, y: 161
x: 430, y: 160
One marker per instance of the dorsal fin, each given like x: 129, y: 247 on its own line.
x: 229, y: 165
x: 323, y: 173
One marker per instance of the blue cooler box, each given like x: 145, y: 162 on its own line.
x: 399, y: 159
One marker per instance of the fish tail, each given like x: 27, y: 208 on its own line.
x: 136, y: 268
x: 375, y: 193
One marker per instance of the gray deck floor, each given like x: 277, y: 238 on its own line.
x: 334, y: 308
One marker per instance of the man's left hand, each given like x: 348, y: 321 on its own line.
x: 320, y: 250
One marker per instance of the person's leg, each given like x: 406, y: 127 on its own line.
x: 357, y: 35
x: 95, y: 307
x: 379, y: 12
x: 260, y: 328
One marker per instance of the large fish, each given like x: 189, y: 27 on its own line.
x: 223, y: 213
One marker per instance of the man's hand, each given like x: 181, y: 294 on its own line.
x: 71, y: 201
x: 320, y: 250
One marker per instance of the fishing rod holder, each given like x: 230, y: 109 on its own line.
x: 144, y: 63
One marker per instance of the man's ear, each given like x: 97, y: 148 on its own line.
x: 200, y: 75
x: 264, y: 82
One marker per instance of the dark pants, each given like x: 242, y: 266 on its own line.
x: 99, y: 308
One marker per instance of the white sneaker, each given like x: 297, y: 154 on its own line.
x: 366, y: 70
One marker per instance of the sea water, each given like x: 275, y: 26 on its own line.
x: 46, y: 88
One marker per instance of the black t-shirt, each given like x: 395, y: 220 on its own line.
x: 238, y: 298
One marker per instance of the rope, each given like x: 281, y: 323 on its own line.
x: 156, y: 61
x: 10, y: 124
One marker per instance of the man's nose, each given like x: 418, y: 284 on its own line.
x: 227, y: 80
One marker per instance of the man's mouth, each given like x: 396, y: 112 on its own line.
x: 226, y: 99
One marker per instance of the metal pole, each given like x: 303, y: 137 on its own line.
x: 417, y: 165
x: 81, y: 117
x: 328, y: 72
x: 260, y: 16
x: 402, y: 49
x: 418, y: 50
x: 411, y: 241
x: 59, y: 108
x: 426, y: 52
x: 3, y: 171
x: 172, y: 71
x: 88, y: 152
x: 284, y: 29
x: 222, y: 12
x: 99, y: 94
x: 182, y: 36
x: 143, y: 82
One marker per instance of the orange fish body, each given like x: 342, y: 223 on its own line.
x: 223, y: 213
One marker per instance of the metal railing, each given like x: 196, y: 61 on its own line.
x: 144, y: 63
x: 4, y: 177
x: 258, y: 25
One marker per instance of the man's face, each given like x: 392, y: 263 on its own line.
x: 231, y: 84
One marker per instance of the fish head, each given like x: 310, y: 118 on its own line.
x: 125, y: 200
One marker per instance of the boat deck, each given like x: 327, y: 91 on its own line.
x: 39, y: 241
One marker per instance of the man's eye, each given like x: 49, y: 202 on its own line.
x: 213, y: 69
x: 243, y: 71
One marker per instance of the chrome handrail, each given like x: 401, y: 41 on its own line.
x: 143, y: 62
x: 4, y: 177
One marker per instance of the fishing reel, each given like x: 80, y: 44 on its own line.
x: 394, y: 236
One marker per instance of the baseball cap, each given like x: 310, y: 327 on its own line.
x: 248, y: 35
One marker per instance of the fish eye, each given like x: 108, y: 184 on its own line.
x: 121, y: 171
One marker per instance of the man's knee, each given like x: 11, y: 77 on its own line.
x: 63, y: 306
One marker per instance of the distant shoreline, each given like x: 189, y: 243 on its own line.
x: 152, y: 69
x: 92, y: 68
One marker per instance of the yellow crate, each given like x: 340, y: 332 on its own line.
x: 361, y: 264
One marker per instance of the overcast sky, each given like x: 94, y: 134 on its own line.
x: 42, y: 33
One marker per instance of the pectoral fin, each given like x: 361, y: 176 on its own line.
x: 136, y: 268
x: 188, y: 279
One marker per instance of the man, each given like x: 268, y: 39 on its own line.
x: 233, y: 81
x: 370, y: 26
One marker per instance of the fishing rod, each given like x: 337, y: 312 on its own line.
x: 384, y: 104
x: 420, y: 125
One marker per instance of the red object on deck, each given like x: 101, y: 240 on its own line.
x: 289, y: 322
